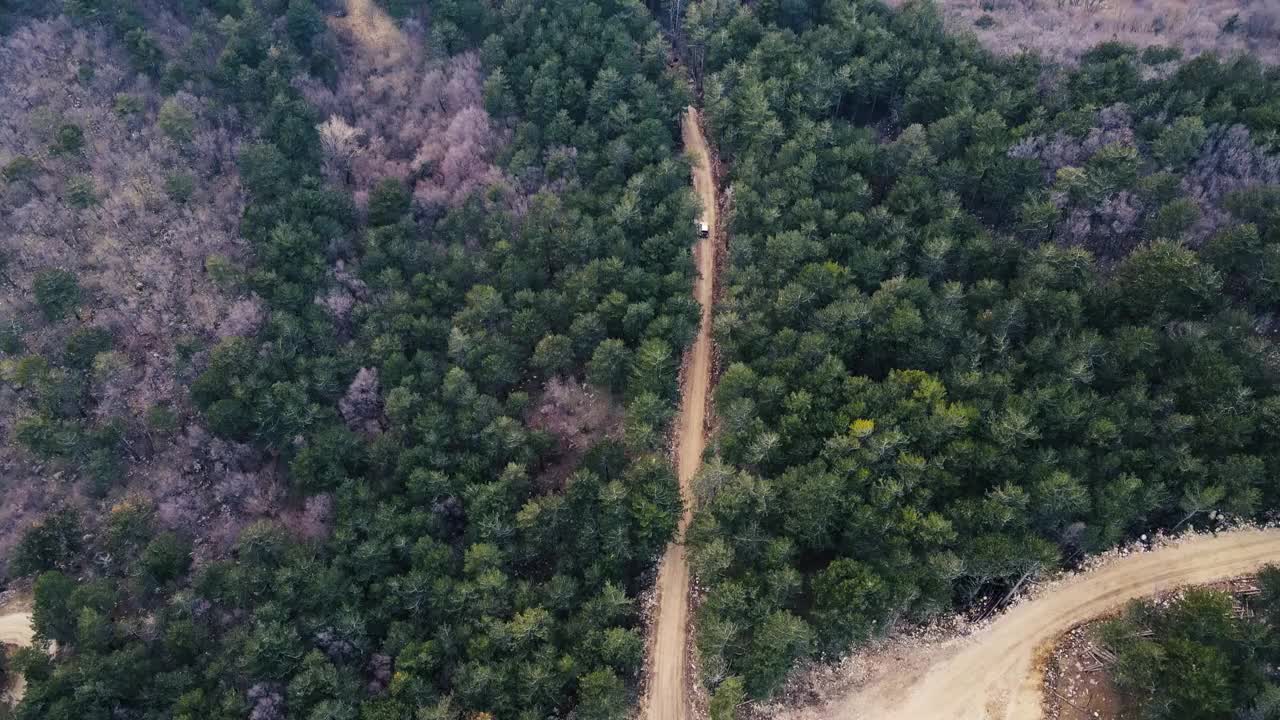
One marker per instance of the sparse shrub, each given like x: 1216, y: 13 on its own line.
x: 57, y: 293
x: 81, y: 192
x: 1180, y: 142
x: 20, y: 169
x: 179, y: 186
x: 162, y: 420
x: 68, y: 139
x: 126, y: 104
x: 53, y: 542
x: 388, y: 202
x: 224, y: 273
x: 1160, y: 54
x: 416, y: 118
x: 176, y: 121
x: 1063, y: 30
x: 985, y: 22
x: 84, y: 345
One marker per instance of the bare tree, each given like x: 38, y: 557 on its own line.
x: 361, y: 406
x: 340, y: 142
x: 1062, y: 30
x: 164, y: 204
x: 406, y: 116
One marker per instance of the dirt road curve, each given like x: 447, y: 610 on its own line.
x: 992, y: 674
x: 666, y: 696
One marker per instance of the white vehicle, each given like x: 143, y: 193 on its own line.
x: 703, y: 230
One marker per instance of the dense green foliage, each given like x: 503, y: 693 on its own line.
x: 979, y: 317
x: 456, y: 578
x: 1195, y: 660
x: 972, y: 325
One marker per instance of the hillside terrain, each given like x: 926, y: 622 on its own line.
x: 1063, y: 30
x: 369, y: 359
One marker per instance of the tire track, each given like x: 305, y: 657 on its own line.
x: 994, y: 673
x: 667, y: 687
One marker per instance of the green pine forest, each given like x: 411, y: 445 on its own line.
x: 980, y: 316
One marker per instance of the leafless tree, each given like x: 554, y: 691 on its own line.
x: 340, y: 142
x: 361, y: 406
x: 140, y: 250
x: 1062, y: 30
x: 403, y: 115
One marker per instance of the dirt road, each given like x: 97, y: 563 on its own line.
x: 15, y: 629
x: 992, y: 674
x: 666, y: 695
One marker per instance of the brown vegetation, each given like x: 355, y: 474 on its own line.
x: 397, y: 113
x: 1110, y: 226
x: 144, y: 215
x: 139, y: 253
x: 1060, y: 30
x: 577, y: 416
x: 1074, y: 688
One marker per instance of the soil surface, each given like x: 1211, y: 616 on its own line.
x: 15, y: 631
x: 996, y: 673
x: 15, y: 628
x: 1076, y: 688
x: 365, y: 23
x: 667, y: 688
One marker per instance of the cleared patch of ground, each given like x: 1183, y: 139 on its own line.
x: 1077, y: 687
x: 577, y: 416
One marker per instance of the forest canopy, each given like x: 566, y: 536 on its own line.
x: 339, y: 341
x: 981, y: 316
x: 444, y: 341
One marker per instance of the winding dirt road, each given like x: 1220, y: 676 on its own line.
x: 666, y: 692
x: 993, y: 674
